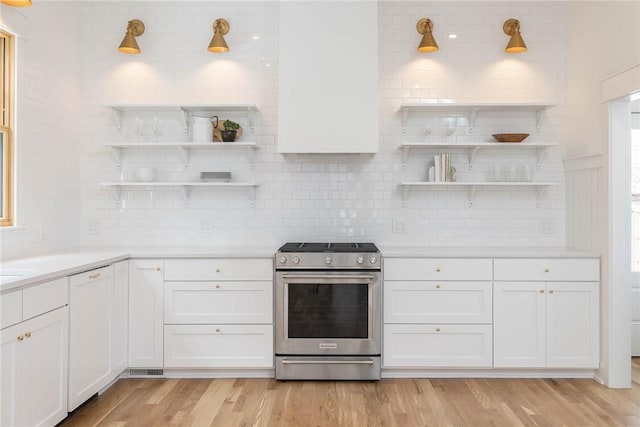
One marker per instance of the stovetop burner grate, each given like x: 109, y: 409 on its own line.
x: 328, y: 247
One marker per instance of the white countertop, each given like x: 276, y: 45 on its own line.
x: 21, y: 272
x: 483, y: 252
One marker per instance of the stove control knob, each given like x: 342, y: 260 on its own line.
x: 373, y: 259
x: 283, y: 259
x: 360, y: 260
x: 327, y: 260
x: 295, y: 260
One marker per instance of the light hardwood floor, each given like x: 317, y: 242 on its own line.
x: 390, y: 402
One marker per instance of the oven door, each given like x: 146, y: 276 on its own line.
x: 328, y: 312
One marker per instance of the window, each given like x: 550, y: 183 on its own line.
x: 6, y: 128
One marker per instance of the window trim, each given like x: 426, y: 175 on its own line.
x: 6, y: 127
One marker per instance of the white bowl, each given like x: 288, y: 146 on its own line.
x: 145, y: 174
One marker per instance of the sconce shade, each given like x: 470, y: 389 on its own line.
x: 218, y: 43
x: 428, y: 42
x: 129, y: 44
x: 516, y: 44
x: 16, y: 3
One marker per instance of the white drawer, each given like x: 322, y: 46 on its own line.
x: 547, y: 269
x: 635, y: 304
x: 437, y: 302
x: 218, y: 302
x: 45, y: 297
x: 219, y: 269
x: 10, y: 309
x: 437, y: 269
x: 447, y: 346
x: 218, y: 346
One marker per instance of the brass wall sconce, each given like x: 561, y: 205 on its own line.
x: 129, y: 44
x: 218, y: 44
x: 511, y: 28
x: 16, y: 3
x: 428, y: 43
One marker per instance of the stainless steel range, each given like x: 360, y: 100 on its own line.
x: 328, y: 311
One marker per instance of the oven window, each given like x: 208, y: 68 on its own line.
x: 328, y: 311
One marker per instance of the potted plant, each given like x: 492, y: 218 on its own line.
x: 230, y: 131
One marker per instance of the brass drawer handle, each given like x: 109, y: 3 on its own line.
x: 550, y: 291
x: 28, y: 334
x: 437, y: 285
x: 541, y: 291
x: 20, y: 337
x: 158, y: 269
x: 217, y: 286
x: 438, y: 329
x: 437, y: 269
x: 94, y: 276
x: 218, y: 330
x: 218, y: 270
x: 546, y: 270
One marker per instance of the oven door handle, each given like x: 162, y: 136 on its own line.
x: 328, y: 276
x: 327, y: 362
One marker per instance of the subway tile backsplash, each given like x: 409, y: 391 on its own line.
x: 319, y: 197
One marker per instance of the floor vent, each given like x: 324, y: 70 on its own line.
x: 146, y: 372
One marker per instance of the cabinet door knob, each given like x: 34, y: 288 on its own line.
x: 437, y: 285
x: 438, y: 329
x: 28, y: 334
x: 158, y: 269
x: 546, y: 270
x: 437, y: 269
x: 541, y: 291
x: 94, y: 276
x: 550, y: 291
x: 20, y: 337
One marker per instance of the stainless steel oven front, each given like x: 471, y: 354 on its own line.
x: 328, y: 324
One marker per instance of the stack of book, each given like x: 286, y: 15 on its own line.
x: 441, y: 171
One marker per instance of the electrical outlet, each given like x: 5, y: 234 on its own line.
x: 206, y: 227
x: 399, y: 225
x: 92, y: 228
x: 546, y: 227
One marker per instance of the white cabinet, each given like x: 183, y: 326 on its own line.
x: 34, y: 370
x: 218, y: 313
x: 437, y: 313
x: 145, y: 313
x: 546, y: 324
x: 218, y: 346
x: 90, y: 321
x: 328, y: 73
x: 635, y: 321
x: 218, y: 302
x: 120, y: 318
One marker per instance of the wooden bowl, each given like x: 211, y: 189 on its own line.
x: 510, y: 137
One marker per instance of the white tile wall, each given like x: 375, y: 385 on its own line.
x: 319, y: 197
x: 47, y: 138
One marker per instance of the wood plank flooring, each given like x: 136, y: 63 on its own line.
x: 390, y: 402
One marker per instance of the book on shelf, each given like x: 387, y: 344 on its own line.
x: 443, y: 171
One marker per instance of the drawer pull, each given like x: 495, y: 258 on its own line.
x: 217, y: 286
x: 541, y: 291
x: 94, y: 276
x: 27, y: 334
x: 218, y: 330
x: 438, y: 329
x: 546, y: 270
x: 550, y: 291
x: 20, y: 337
x: 218, y: 270
x: 437, y: 269
x: 158, y: 269
x: 437, y: 285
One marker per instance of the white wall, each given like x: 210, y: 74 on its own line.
x: 47, y: 131
x: 310, y: 197
x: 593, y: 56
